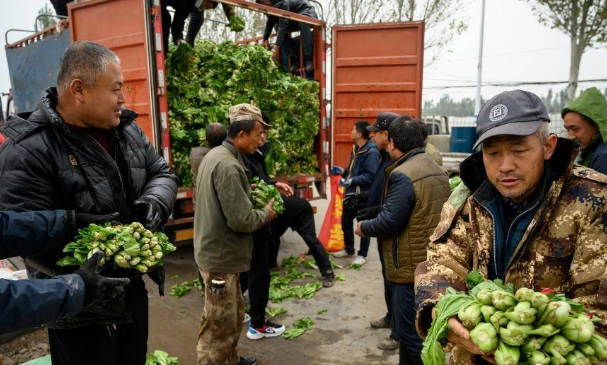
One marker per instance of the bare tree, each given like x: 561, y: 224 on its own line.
x: 46, y: 21
x: 584, y: 21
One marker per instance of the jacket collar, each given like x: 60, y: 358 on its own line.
x: 230, y: 147
x: 402, y: 159
x: 21, y: 125
x: 366, y: 147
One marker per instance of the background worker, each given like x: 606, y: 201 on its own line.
x: 215, y: 134
x: 357, y: 179
x: 585, y: 120
x: 30, y: 303
x: 372, y: 200
x: 285, y: 46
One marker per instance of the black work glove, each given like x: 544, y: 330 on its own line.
x: 99, y: 290
x: 84, y: 219
x: 157, y: 275
x: 354, y: 201
x: 148, y: 213
x: 368, y: 213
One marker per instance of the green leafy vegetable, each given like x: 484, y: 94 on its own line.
x: 299, y: 328
x: 274, y: 312
x: 321, y: 311
x: 236, y: 23
x: 160, y: 357
x: 205, y: 81
x: 263, y: 193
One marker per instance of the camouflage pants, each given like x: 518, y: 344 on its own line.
x: 221, y: 322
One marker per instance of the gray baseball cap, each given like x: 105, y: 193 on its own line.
x: 515, y: 113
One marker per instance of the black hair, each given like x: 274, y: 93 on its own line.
x: 406, y: 133
x: 216, y: 134
x: 423, y: 125
x: 244, y: 125
x: 361, y: 127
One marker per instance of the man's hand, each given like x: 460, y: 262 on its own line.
x: 359, y: 231
x: 98, y: 290
x: 459, y: 335
x: 147, y: 213
x: 272, y: 214
x: 265, y: 44
x: 345, y: 182
x: 284, y: 189
x: 275, y: 52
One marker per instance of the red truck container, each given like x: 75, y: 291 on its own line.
x: 377, y: 67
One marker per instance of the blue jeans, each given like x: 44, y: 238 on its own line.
x: 403, y: 306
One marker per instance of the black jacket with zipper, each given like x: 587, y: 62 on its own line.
x: 46, y: 165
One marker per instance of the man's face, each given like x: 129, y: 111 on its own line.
x: 248, y: 143
x: 100, y: 104
x: 515, y: 164
x: 381, y: 140
x: 579, y: 130
x: 355, y: 135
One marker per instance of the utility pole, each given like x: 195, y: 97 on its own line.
x: 479, y: 74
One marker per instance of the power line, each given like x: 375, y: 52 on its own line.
x: 516, y: 83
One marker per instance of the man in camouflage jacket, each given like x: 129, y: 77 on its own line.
x: 526, y: 215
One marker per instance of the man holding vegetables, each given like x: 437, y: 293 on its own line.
x: 223, y: 240
x: 82, y: 150
x: 526, y: 215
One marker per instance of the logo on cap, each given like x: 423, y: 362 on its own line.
x: 498, y: 112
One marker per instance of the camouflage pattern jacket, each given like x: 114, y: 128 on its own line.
x: 564, y: 246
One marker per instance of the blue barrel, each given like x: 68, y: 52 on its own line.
x: 463, y: 139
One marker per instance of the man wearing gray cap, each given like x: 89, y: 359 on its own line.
x: 223, y: 240
x: 526, y: 215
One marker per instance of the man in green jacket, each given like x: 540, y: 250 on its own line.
x: 586, y: 123
x: 223, y: 240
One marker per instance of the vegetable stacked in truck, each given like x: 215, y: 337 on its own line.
x: 205, y: 81
x: 129, y: 246
x: 522, y: 327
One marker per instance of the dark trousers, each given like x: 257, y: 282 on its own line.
x: 123, y: 344
x: 299, y: 216
x: 290, y: 47
x: 257, y: 281
x: 347, y: 224
x: 183, y: 9
x: 403, y: 302
x: 387, y: 291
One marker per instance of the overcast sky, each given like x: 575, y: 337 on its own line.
x: 517, y: 48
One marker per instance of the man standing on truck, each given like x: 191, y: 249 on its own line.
x: 412, y: 199
x: 358, y: 178
x: 215, y: 134
x: 82, y: 150
x: 526, y: 214
x: 586, y: 123
x: 285, y: 46
x: 223, y: 241
x: 184, y: 9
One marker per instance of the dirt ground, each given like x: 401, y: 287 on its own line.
x: 342, y: 335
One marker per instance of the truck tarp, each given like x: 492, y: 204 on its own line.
x: 34, y: 68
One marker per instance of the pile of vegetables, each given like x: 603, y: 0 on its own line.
x: 522, y: 327
x: 128, y: 246
x: 160, y: 357
x: 205, y: 81
x: 263, y: 192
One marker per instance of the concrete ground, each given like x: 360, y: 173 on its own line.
x: 342, y: 335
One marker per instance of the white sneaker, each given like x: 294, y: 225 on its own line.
x: 359, y: 260
x: 342, y: 253
x: 247, y: 318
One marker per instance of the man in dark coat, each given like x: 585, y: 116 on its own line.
x: 357, y: 178
x: 82, y: 150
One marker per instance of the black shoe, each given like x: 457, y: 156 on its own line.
x: 248, y: 360
x: 328, y: 280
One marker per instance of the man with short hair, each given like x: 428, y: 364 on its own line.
x: 414, y: 193
x: 526, y: 215
x: 357, y: 178
x: 82, y: 150
x: 215, y: 134
x: 373, y: 197
x: 223, y: 240
x: 586, y: 123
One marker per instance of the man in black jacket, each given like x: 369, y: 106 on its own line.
x: 82, y: 150
x: 285, y: 45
